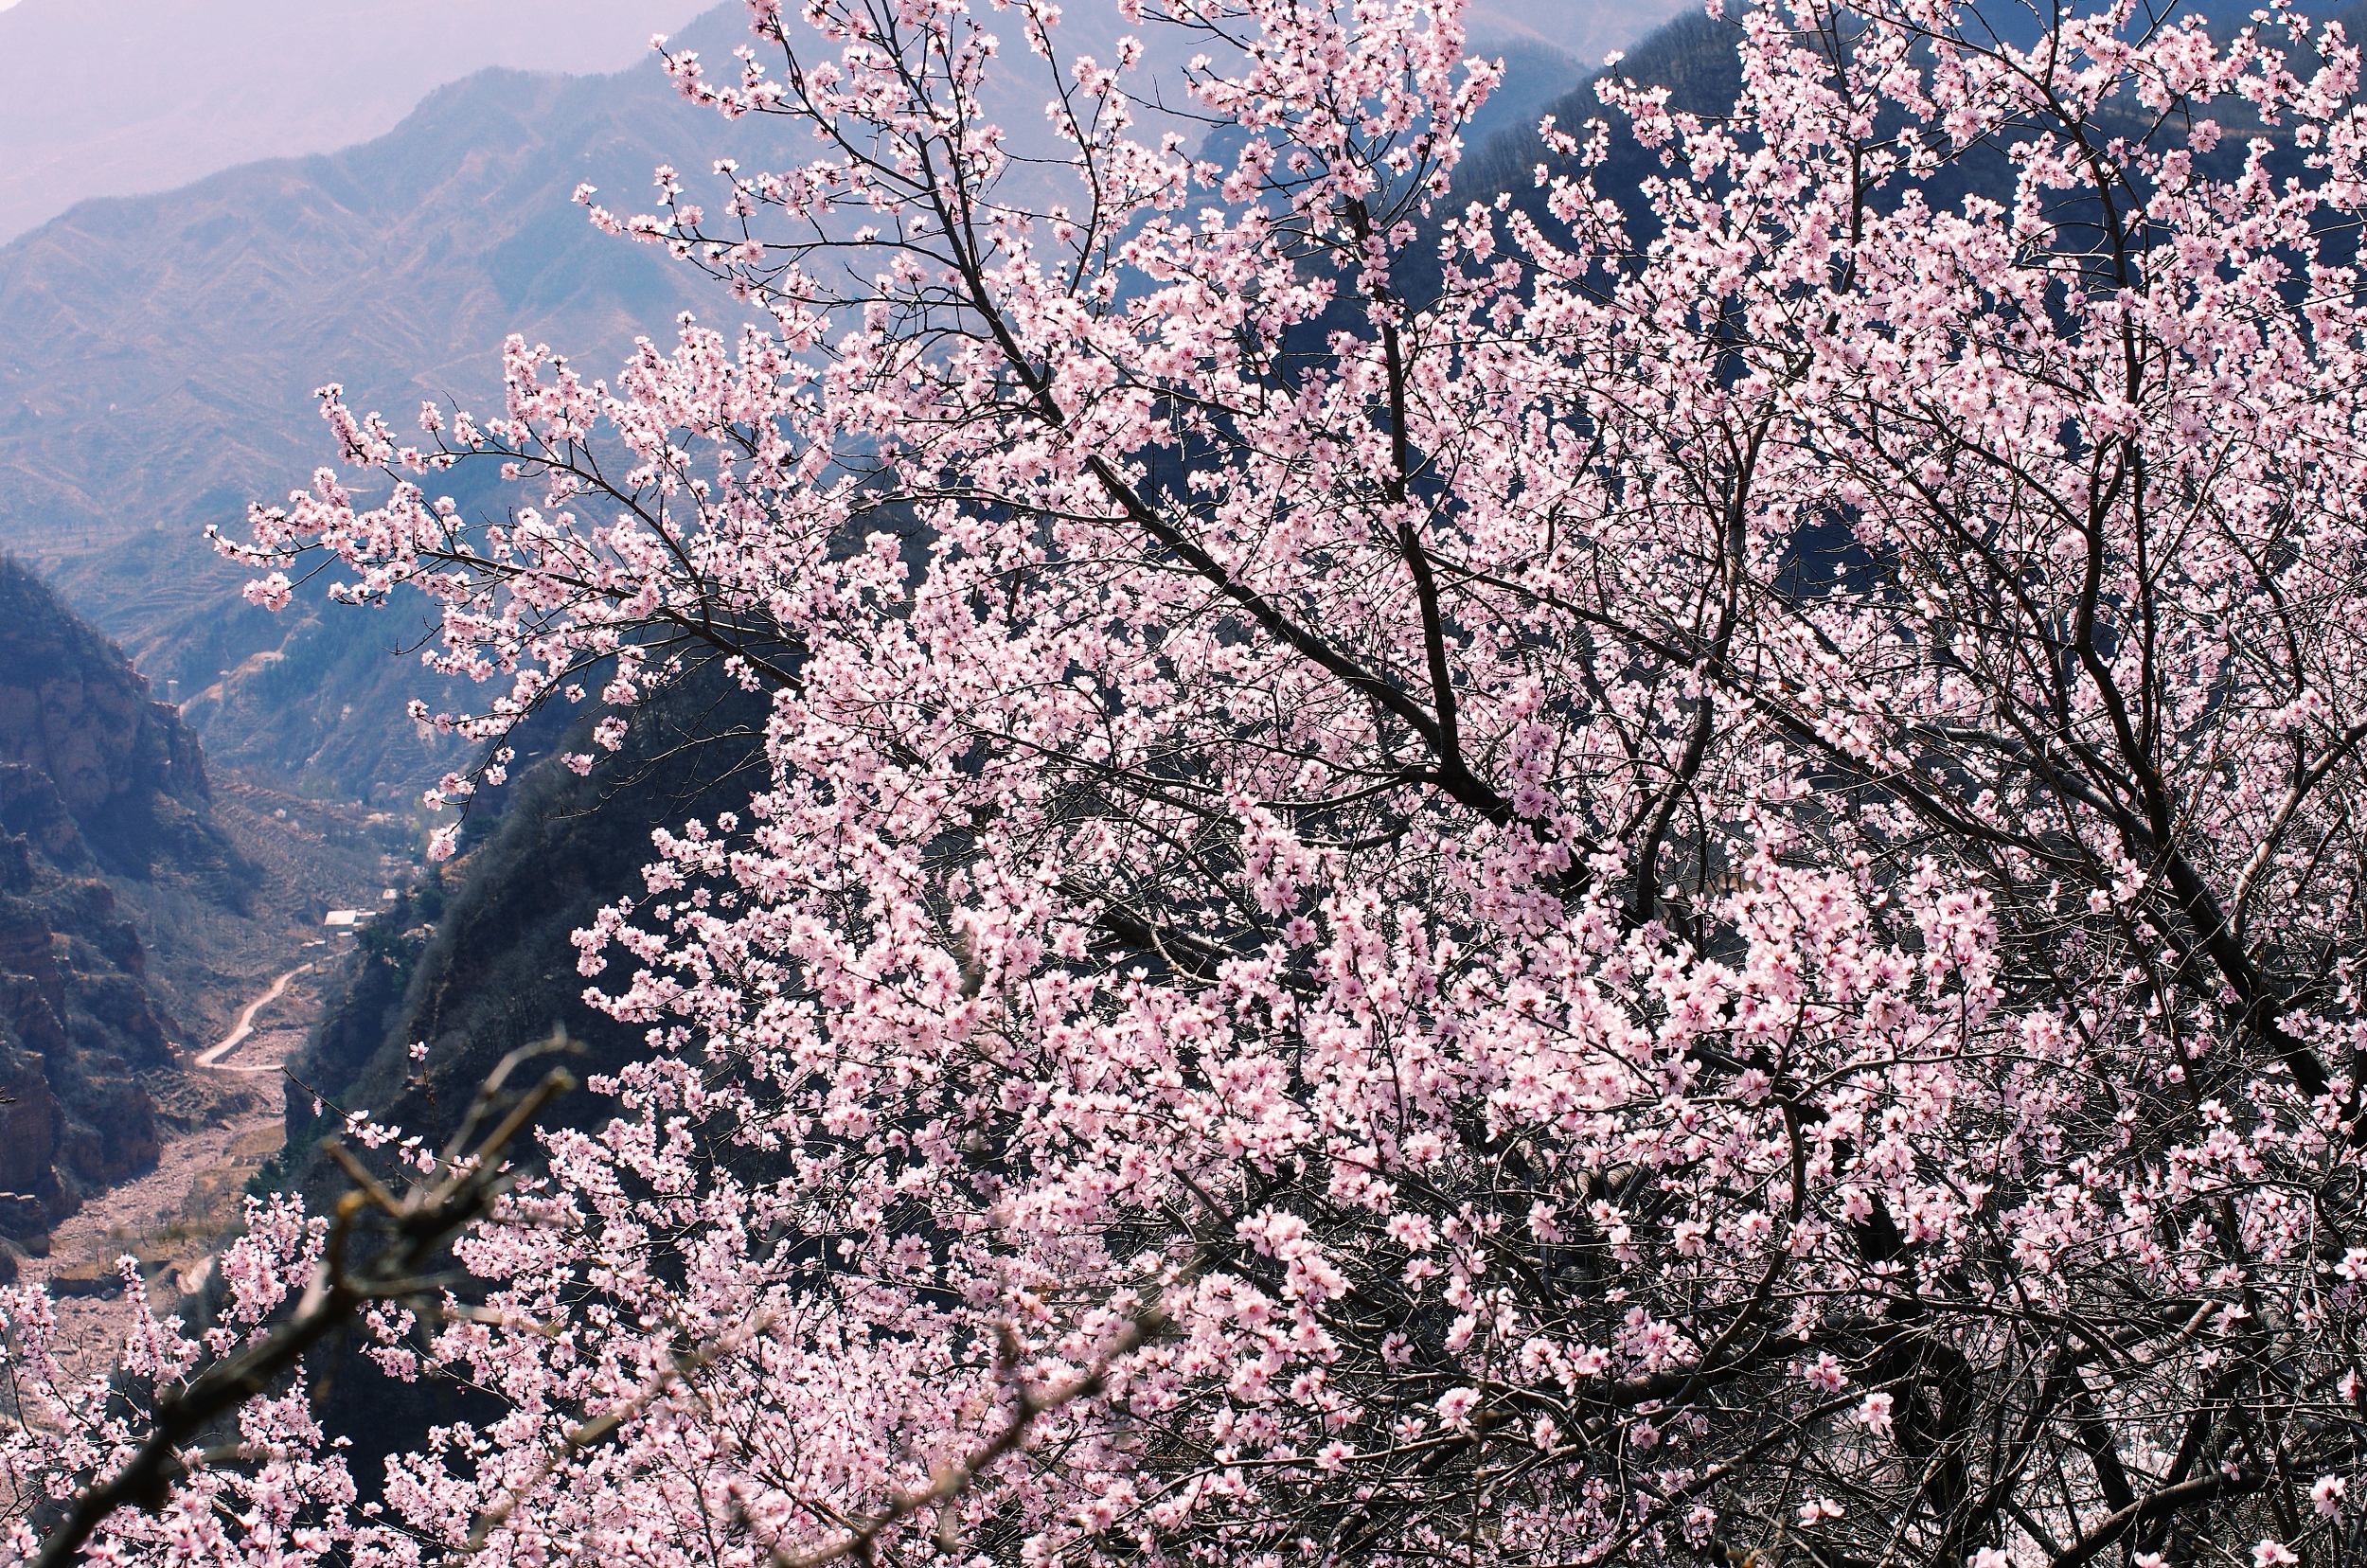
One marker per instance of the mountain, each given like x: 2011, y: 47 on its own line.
x: 123, y: 97
x: 1585, y: 32
x: 115, y: 97
x: 76, y: 715
x: 102, y: 790
x: 158, y: 353
x: 1693, y: 57
x: 158, y: 357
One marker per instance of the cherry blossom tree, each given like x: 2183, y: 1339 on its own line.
x: 1698, y: 896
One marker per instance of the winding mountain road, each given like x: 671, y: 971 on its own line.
x: 232, y: 1040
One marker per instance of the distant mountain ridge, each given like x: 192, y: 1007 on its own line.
x: 192, y: 86
x: 158, y: 357
x: 196, y: 87
x: 158, y: 354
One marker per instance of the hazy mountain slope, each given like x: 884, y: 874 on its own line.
x: 115, y: 97
x: 157, y: 354
x: 158, y: 357
x: 489, y: 965
x: 1692, y: 56
x: 1584, y: 32
x: 120, y: 98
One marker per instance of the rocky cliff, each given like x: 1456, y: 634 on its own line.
x: 78, y: 1027
x: 125, y: 769
x: 97, y: 780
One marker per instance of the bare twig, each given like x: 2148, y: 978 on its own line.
x: 950, y: 1481
x: 607, y: 1421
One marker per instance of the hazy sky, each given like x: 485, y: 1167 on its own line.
x: 119, y: 98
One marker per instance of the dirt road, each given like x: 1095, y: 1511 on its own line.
x: 236, y: 1036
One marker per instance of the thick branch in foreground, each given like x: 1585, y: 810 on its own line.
x: 2161, y: 1505
x: 467, y: 1182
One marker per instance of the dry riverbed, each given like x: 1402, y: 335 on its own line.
x: 177, y: 1217
x: 171, y: 1219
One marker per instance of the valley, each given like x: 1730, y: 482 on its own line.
x: 163, y: 950
x: 255, y: 987
x: 170, y: 1221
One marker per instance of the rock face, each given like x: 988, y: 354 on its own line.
x: 122, y: 767
x: 95, y: 777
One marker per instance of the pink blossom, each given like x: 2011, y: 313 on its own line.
x: 1762, y: 786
